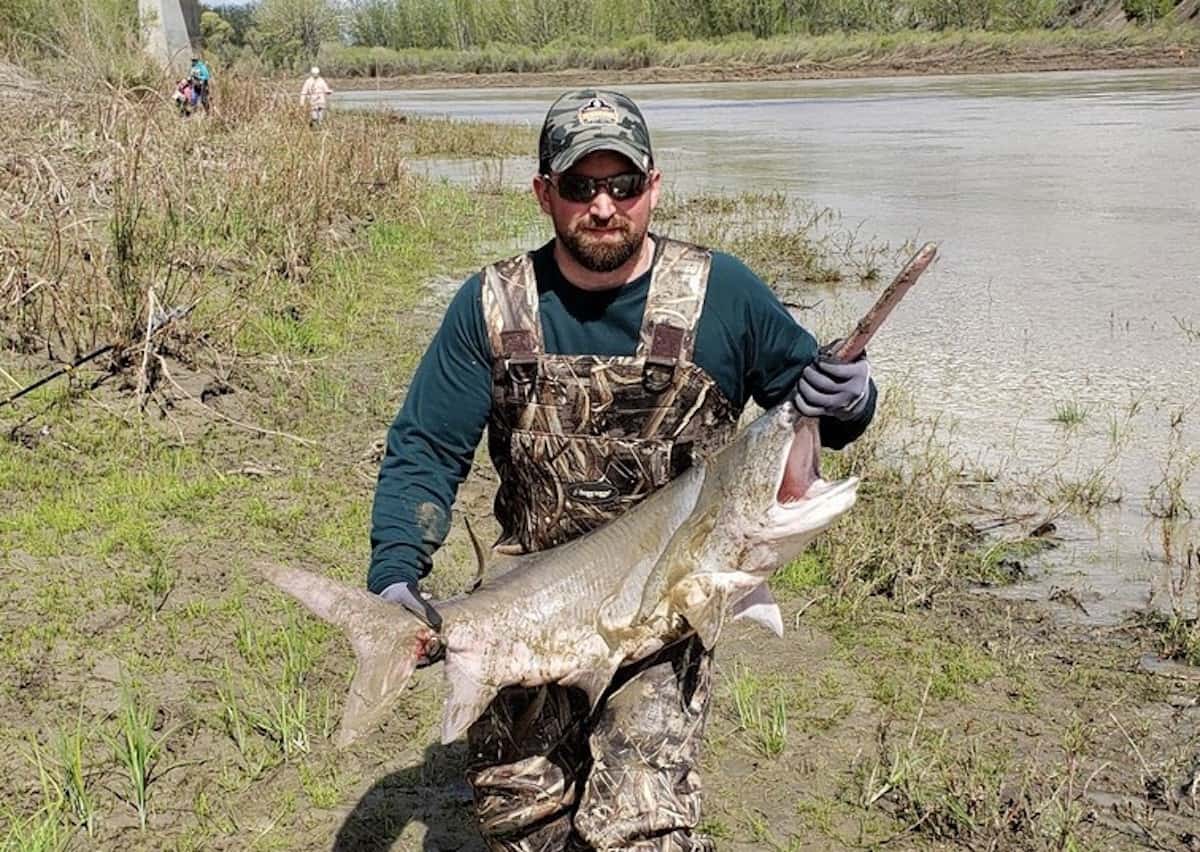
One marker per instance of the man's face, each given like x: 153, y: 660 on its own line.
x: 603, y: 233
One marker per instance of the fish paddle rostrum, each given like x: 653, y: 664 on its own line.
x: 691, y: 556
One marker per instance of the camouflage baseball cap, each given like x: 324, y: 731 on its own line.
x: 588, y: 120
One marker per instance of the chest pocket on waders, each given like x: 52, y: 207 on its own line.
x: 579, y: 439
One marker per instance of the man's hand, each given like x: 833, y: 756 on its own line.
x: 831, y: 387
x: 409, y: 596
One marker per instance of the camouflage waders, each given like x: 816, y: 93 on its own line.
x: 577, y: 440
x: 548, y: 777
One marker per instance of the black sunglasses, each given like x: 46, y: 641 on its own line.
x: 581, y: 189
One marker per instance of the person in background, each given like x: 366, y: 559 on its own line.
x: 315, y: 93
x: 200, y: 77
x: 184, y: 97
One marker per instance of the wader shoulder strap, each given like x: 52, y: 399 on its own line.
x: 510, y: 309
x: 673, y: 305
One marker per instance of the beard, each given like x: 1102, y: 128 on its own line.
x: 600, y: 254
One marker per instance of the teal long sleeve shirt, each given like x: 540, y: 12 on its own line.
x: 746, y: 340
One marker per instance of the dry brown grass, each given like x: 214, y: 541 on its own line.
x: 111, y: 197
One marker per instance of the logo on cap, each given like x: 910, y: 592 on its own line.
x: 597, y: 111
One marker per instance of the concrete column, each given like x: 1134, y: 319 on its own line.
x: 168, y: 34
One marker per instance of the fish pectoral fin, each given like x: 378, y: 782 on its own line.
x: 466, y: 703
x: 612, y: 627
x: 703, y: 603
x: 469, y: 694
x: 759, y: 606
x: 620, y: 633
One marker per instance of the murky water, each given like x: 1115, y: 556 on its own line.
x: 1067, y: 207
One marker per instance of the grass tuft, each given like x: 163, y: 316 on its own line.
x: 78, y: 804
x: 42, y: 830
x: 137, y: 749
x: 805, y: 573
x: 1069, y: 413
x: 39, y: 832
x: 762, y: 712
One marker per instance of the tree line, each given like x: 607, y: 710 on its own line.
x: 288, y: 34
x: 279, y: 30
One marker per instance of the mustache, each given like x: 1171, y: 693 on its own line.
x: 614, y: 221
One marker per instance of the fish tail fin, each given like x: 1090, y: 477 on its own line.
x: 387, y: 640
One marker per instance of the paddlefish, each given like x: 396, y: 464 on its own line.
x: 689, y: 558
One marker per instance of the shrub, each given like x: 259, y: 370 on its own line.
x: 1147, y: 11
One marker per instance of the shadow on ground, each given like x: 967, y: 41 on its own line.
x: 432, y: 793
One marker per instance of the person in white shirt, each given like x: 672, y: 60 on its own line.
x: 316, y: 94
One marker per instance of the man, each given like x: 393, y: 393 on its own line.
x: 602, y: 364
x: 315, y: 93
x: 200, y: 77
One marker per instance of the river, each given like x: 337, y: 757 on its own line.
x: 1067, y: 208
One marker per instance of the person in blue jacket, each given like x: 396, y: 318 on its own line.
x: 200, y: 77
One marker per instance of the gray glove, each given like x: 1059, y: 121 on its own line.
x: 409, y: 596
x: 831, y: 387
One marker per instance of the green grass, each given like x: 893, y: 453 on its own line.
x: 998, y: 553
x: 323, y: 786
x: 791, y: 244
x: 137, y: 750
x: 907, y: 538
x: 952, y: 790
x: 439, y: 137
x: 1168, y: 499
x: 285, y: 718
x: 761, y: 711
x: 237, y: 726
x: 1178, y: 635
x: 804, y: 574
x: 74, y: 779
x: 40, y: 832
x: 43, y: 830
x: 1069, y: 413
x: 1085, y: 495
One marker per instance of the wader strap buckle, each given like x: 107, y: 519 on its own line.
x: 666, y: 343
x: 520, y: 355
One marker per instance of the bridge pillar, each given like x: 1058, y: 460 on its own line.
x: 171, y: 27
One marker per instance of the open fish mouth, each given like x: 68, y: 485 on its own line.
x: 800, y: 469
x: 804, y: 501
x: 823, y: 488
